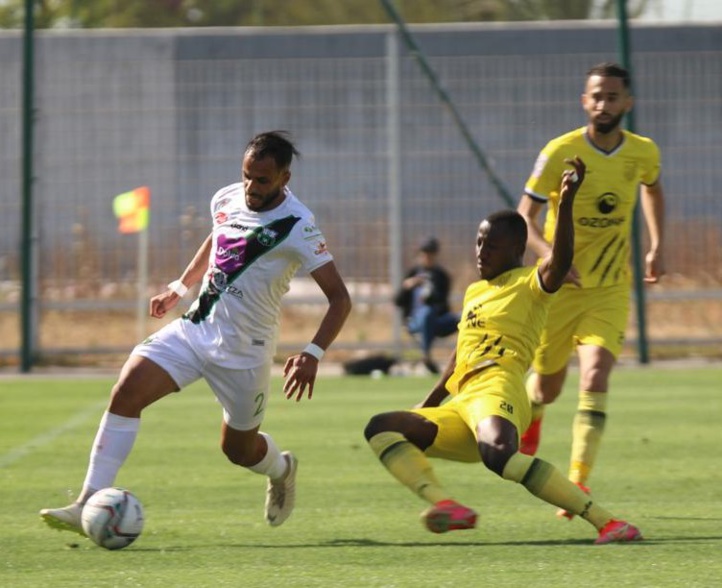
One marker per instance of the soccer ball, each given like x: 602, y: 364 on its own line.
x: 112, y: 518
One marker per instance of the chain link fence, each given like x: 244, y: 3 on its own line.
x: 173, y: 109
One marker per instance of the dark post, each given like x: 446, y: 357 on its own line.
x: 642, y: 347
x: 27, y: 311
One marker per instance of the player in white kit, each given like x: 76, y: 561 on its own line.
x: 262, y: 235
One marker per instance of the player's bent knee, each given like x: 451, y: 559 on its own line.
x: 495, y: 457
x: 415, y: 428
x: 243, y: 448
x: 127, y: 400
x: 381, y: 423
x: 497, y: 441
x: 141, y: 383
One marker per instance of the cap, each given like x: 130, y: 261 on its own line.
x: 430, y: 245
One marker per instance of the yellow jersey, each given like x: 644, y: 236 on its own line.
x: 501, y: 323
x: 604, y: 205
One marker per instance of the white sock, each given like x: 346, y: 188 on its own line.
x: 113, y: 442
x: 273, y: 463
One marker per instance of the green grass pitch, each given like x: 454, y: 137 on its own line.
x: 354, y: 526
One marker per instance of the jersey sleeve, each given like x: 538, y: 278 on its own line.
x: 652, y: 165
x: 544, y: 179
x: 311, y: 245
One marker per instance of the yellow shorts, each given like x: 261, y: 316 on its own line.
x: 582, y: 316
x: 493, y: 392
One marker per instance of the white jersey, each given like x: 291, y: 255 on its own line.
x: 234, y: 322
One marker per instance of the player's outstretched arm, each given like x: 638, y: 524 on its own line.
x: 301, y: 369
x: 556, y: 266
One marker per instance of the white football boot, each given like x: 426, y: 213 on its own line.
x: 64, y: 519
x: 281, y: 493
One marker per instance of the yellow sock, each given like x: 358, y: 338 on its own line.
x: 408, y: 464
x: 546, y: 482
x: 587, y: 433
x: 537, y: 410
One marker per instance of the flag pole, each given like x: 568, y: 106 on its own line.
x: 142, y: 284
x: 133, y: 211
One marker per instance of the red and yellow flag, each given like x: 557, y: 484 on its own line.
x: 132, y: 209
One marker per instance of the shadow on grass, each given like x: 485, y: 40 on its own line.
x: 373, y: 543
x: 341, y: 543
x: 664, y: 518
x: 544, y: 543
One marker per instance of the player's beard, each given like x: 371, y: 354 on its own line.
x: 266, y: 202
x: 609, y: 125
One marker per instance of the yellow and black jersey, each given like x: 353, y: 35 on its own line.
x: 604, y: 205
x: 501, y: 323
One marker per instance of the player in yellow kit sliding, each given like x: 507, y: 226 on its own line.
x: 590, y: 311
x: 503, y: 315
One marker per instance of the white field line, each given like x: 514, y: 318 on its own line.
x: 79, y: 418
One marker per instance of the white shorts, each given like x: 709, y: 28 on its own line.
x: 243, y: 394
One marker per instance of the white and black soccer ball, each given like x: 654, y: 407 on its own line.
x: 113, y: 518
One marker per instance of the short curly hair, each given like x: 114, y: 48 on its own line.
x: 275, y: 144
x: 609, y: 69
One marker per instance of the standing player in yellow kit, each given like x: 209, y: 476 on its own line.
x: 590, y: 312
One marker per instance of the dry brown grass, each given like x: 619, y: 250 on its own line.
x: 369, y: 330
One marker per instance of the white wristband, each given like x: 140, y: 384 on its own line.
x: 178, y: 287
x: 314, y: 350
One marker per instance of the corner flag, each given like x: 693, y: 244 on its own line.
x: 132, y: 209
